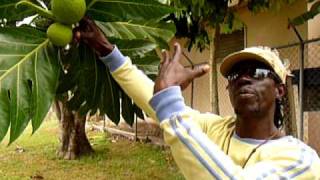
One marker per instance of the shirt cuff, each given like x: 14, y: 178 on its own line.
x: 168, y: 102
x: 113, y: 60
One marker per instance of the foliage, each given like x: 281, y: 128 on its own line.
x: 10, y: 13
x: 314, y: 10
x: 28, y: 78
x: 33, y: 72
x: 196, y: 17
x: 263, y: 5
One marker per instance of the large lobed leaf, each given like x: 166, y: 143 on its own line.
x: 127, y: 10
x: 134, y: 48
x: 142, y: 53
x: 148, y: 64
x: 159, y: 33
x: 22, y: 98
x: 28, y: 79
x: 11, y: 13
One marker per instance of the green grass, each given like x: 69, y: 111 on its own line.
x: 120, y: 160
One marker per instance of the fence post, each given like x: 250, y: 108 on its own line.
x: 301, y: 81
x: 292, y: 125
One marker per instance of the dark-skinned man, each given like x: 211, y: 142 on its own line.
x: 248, y: 145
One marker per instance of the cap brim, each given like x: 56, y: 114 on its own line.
x: 234, y: 58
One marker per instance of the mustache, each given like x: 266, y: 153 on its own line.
x: 243, y: 86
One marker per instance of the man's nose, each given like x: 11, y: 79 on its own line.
x: 243, y: 79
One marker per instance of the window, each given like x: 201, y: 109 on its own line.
x: 311, y: 99
x: 229, y: 43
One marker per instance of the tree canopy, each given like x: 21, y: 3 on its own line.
x: 34, y: 72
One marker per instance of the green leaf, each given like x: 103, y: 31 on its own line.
x: 39, y: 9
x: 233, y: 24
x: 112, y: 107
x: 127, y: 10
x: 28, y: 79
x: 160, y: 33
x: 11, y: 13
x: 127, y: 109
x: 91, y: 85
x: 314, y: 10
x: 134, y: 48
x: 148, y: 64
x: 142, y: 54
x: 138, y: 111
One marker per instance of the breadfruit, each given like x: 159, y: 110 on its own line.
x: 68, y: 11
x: 59, y: 34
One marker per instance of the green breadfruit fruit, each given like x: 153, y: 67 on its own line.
x: 68, y: 11
x: 59, y: 34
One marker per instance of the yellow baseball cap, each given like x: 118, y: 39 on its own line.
x: 262, y: 54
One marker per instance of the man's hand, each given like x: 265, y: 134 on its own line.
x: 172, y: 73
x: 89, y: 33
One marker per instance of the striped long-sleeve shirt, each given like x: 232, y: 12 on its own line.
x: 204, y: 145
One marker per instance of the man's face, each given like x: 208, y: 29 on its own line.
x: 252, y: 88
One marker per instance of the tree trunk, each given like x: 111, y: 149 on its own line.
x: 74, y: 141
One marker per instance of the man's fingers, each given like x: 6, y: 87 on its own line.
x: 86, y: 24
x: 87, y: 20
x: 200, y: 70
x: 87, y: 35
x: 166, y: 57
x: 177, y: 52
x: 77, y: 36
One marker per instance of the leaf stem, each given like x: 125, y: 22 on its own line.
x: 41, y: 11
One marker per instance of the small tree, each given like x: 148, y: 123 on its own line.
x: 34, y: 73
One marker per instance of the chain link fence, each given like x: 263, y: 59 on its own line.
x: 303, y: 120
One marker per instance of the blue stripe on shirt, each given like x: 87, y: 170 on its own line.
x: 192, y: 149
x: 204, y: 143
x: 168, y: 102
x: 301, y: 161
x: 113, y: 60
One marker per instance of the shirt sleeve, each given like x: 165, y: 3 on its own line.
x: 132, y: 80
x: 136, y: 84
x: 199, y: 157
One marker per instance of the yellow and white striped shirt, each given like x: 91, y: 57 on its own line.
x: 204, y: 145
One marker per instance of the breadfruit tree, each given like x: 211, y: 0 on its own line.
x: 40, y: 64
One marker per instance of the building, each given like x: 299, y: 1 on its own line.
x: 267, y: 29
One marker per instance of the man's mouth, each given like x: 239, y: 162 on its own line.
x: 246, y: 95
x: 245, y: 92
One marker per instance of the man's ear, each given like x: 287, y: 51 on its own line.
x: 280, y: 91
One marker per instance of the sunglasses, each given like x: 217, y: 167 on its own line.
x: 254, y: 73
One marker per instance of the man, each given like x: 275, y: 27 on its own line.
x: 248, y: 145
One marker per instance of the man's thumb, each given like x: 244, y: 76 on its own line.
x: 200, y: 70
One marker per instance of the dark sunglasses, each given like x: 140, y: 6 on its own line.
x: 255, y: 73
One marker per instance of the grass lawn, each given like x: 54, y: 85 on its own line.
x: 34, y: 157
